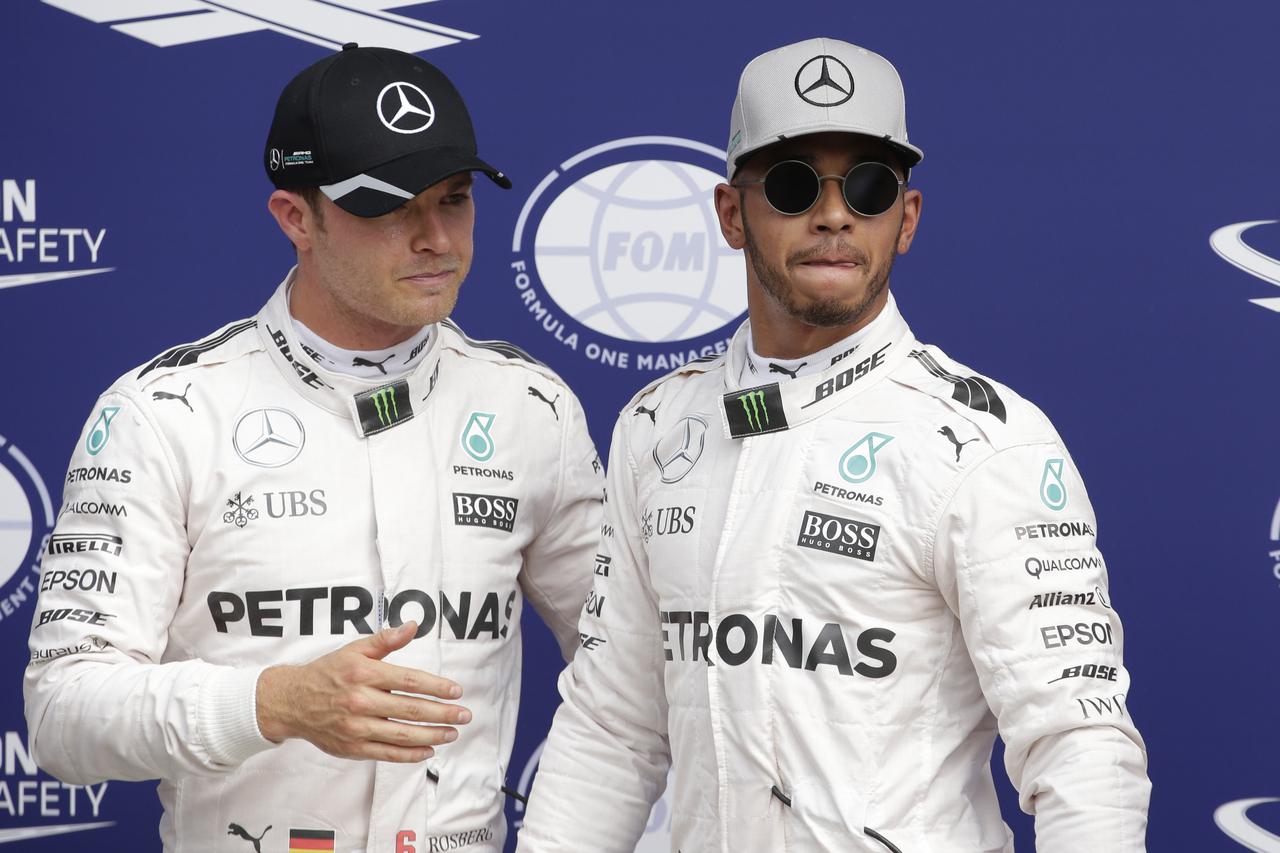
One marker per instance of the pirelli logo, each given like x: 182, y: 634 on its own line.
x: 80, y: 543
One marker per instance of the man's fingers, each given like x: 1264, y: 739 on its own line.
x: 389, y: 752
x: 407, y: 680
x: 420, y: 710
x: 407, y: 735
x: 386, y: 641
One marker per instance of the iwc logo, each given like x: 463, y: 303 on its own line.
x: 824, y: 81
x: 26, y: 523
x: 618, y: 255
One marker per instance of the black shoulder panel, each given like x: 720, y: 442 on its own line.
x: 972, y: 391
x: 190, y: 353
x: 502, y: 348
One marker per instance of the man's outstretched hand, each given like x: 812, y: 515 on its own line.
x: 343, y: 703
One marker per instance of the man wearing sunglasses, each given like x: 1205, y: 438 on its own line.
x: 837, y: 562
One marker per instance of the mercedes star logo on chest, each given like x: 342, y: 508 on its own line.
x: 269, y: 438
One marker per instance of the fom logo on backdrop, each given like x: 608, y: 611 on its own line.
x: 328, y: 23
x: 617, y: 254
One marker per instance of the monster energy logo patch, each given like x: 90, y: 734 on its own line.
x: 755, y: 411
x: 382, y: 408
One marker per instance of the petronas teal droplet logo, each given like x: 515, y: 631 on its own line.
x: 475, y: 436
x: 1052, y: 490
x: 858, y: 464
x: 101, y: 430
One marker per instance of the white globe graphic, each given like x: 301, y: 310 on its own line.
x: 634, y: 251
x: 15, y: 525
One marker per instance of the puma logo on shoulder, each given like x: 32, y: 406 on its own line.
x: 951, y: 437
x: 652, y: 413
x: 534, y: 392
x: 167, y: 395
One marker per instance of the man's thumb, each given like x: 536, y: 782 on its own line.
x: 388, y: 640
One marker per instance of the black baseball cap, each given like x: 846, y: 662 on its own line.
x: 371, y: 127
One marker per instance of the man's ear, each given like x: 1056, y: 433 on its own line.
x: 729, y: 212
x: 294, y: 216
x: 912, y: 201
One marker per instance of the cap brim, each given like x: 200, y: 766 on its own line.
x: 381, y: 189
x: 910, y: 154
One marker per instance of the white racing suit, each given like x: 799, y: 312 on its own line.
x: 231, y: 505
x: 820, y: 600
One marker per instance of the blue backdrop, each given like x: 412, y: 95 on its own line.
x: 1080, y: 157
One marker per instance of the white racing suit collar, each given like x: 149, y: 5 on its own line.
x: 773, y: 407
x: 372, y: 406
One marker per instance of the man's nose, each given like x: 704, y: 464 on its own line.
x: 830, y: 212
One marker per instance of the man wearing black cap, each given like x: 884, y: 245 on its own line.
x: 839, y: 561
x: 287, y: 549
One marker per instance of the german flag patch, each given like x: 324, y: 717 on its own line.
x: 310, y: 840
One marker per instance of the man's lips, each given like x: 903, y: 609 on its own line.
x: 831, y: 263
x: 429, y: 277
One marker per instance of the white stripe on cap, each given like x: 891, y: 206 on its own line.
x: 350, y: 185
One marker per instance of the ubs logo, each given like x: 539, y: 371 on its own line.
x: 671, y: 520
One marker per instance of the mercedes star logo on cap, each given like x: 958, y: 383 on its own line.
x: 824, y: 81
x: 268, y: 438
x: 409, y: 108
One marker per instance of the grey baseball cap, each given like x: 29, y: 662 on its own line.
x: 816, y: 86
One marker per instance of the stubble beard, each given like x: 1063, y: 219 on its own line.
x: 362, y: 299
x: 824, y: 313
